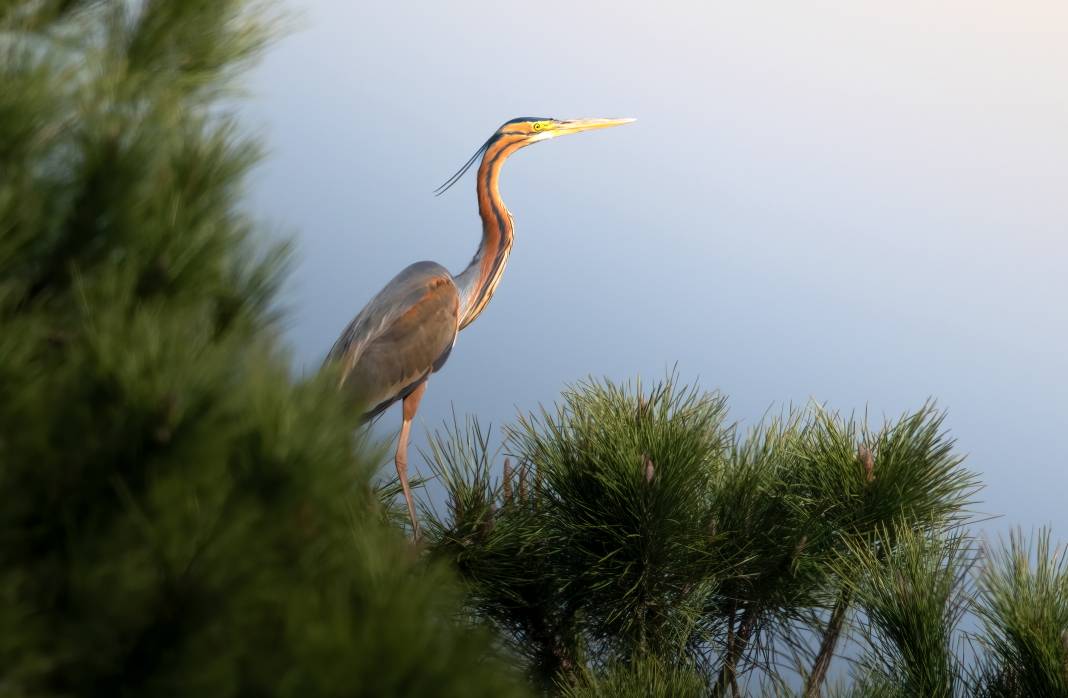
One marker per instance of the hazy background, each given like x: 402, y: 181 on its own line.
x: 861, y: 203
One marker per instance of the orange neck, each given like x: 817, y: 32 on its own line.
x: 479, y: 280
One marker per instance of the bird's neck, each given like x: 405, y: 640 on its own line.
x: 479, y: 280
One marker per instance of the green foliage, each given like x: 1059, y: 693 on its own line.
x: 641, y: 527
x: 624, y: 487
x: 647, y: 677
x: 608, y: 504
x: 180, y: 516
x: 1023, y: 605
x: 913, y: 595
x: 914, y: 474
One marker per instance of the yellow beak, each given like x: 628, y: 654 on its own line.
x: 563, y: 128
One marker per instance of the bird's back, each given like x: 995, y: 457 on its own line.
x: 403, y: 334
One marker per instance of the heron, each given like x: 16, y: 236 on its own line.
x: 407, y: 331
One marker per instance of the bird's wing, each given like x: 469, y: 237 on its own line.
x: 404, y: 333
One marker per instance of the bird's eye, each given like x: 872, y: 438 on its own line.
x: 538, y: 125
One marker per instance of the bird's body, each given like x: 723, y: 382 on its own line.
x: 408, y: 329
x: 404, y: 334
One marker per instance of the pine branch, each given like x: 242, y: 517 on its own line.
x: 728, y: 673
x: 815, y: 679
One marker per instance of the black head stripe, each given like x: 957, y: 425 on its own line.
x: 522, y: 119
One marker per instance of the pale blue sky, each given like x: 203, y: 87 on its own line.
x: 863, y: 203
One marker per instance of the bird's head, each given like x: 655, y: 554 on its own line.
x: 525, y: 130
x: 533, y: 129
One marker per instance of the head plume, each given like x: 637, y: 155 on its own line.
x: 467, y: 166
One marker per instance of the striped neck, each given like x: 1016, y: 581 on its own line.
x: 479, y: 280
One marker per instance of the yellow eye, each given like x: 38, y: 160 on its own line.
x: 539, y: 125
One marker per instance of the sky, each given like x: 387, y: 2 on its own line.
x: 864, y: 204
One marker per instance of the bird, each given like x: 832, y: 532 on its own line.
x: 408, y: 329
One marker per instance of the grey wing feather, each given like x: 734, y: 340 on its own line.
x: 402, y: 335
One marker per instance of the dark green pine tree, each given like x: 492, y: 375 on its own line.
x: 635, y: 543
x: 178, y: 516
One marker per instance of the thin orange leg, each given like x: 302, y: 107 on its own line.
x: 409, y: 406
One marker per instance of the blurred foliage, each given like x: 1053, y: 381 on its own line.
x: 180, y: 516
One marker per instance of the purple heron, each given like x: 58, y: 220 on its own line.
x: 407, y: 330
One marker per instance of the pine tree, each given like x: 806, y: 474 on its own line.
x: 180, y: 517
x: 635, y: 543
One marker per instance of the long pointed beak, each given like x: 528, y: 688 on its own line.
x: 564, y: 128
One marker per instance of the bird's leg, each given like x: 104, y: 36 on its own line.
x: 409, y: 406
